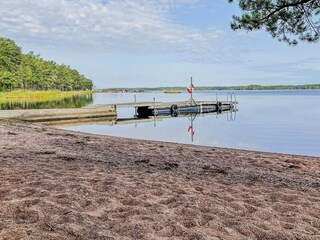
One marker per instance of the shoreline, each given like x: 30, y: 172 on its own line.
x: 60, y: 184
x: 184, y: 144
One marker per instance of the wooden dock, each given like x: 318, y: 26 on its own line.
x: 144, y: 109
x: 109, y: 111
x: 158, y: 104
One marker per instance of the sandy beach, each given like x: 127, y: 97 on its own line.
x: 57, y: 184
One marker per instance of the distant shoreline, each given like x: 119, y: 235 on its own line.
x: 230, y: 88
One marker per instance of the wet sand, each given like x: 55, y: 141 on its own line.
x: 57, y: 184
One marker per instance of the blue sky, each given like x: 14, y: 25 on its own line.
x: 148, y: 43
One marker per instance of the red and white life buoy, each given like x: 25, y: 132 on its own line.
x: 190, y: 88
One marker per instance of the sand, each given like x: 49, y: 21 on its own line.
x: 57, y: 184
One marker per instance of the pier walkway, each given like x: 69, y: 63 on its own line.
x: 41, y: 115
x: 159, y: 104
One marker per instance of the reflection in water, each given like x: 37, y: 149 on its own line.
x: 91, y: 125
x: 190, y: 111
x: 77, y: 101
x: 231, y: 116
x: 191, y: 118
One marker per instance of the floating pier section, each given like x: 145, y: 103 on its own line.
x: 183, y: 108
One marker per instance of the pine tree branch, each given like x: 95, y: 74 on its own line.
x: 280, y: 7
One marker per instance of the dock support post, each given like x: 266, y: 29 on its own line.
x: 135, y: 108
x: 154, y: 112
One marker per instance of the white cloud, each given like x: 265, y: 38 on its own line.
x: 119, y: 26
x: 307, y: 66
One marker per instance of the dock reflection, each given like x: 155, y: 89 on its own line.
x: 135, y: 120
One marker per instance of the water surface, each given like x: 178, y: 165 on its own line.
x: 273, y: 121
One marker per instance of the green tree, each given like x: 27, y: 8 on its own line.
x: 290, y: 21
x: 30, y: 71
x: 7, y: 81
x: 10, y: 55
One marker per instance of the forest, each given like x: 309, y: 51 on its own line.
x: 30, y: 71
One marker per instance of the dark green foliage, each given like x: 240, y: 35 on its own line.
x: 10, y: 55
x: 7, y: 80
x: 286, y: 20
x: 30, y: 71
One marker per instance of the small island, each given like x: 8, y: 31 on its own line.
x: 171, y: 91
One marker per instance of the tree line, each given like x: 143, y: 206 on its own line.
x: 204, y: 88
x: 30, y: 71
x: 259, y: 87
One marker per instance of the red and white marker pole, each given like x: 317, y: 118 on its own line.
x: 190, y: 91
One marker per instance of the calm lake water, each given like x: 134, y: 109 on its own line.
x: 272, y: 121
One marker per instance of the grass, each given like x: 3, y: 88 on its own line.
x: 38, y: 96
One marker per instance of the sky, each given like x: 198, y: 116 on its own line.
x: 152, y: 43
